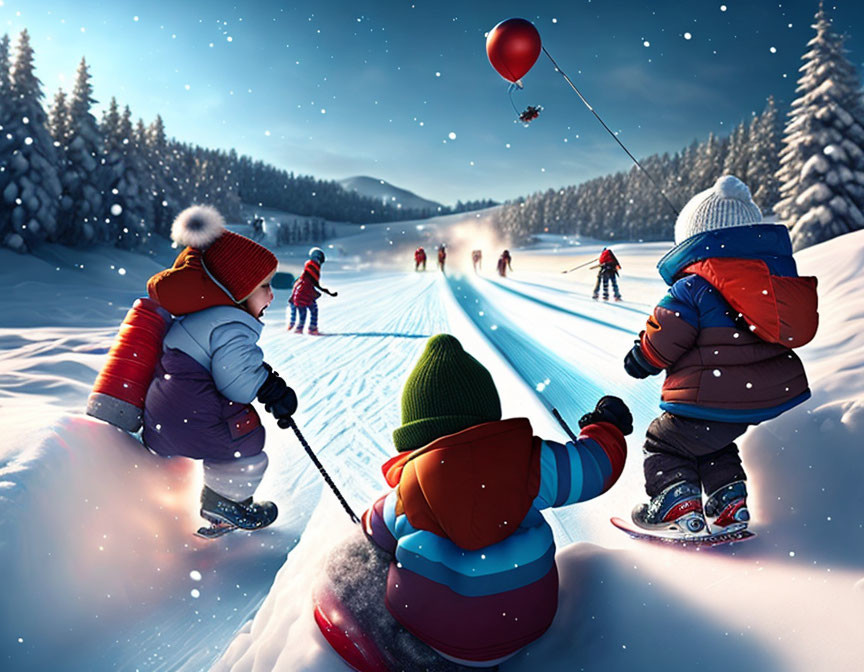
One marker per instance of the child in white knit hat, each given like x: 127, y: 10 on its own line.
x: 724, y: 334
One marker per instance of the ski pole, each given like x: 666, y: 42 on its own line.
x: 576, y: 268
x: 564, y: 425
x: 323, y: 471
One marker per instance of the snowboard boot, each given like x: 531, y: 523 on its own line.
x: 247, y: 515
x: 726, y: 508
x: 677, y: 511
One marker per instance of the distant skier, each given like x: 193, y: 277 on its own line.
x: 468, y: 490
x: 442, y: 256
x: 724, y: 334
x: 505, y: 262
x: 305, y: 294
x: 609, y: 267
x: 477, y: 259
x: 419, y: 259
x: 211, y: 368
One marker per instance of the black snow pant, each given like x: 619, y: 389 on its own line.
x: 687, y: 449
x: 606, y: 277
x: 357, y: 572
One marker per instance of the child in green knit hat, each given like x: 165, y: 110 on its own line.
x: 460, y: 540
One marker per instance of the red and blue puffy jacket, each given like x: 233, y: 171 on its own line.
x: 725, y: 330
x: 473, y: 572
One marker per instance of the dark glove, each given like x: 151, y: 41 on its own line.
x: 612, y: 410
x: 278, y: 398
x: 637, y: 366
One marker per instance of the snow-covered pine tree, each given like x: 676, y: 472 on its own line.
x: 822, y: 162
x: 5, y: 142
x: 145, y: 175
x: 82, y: 178
x: 738, y: 155
x: 124, y: 206
x: 32, y: 192
x: 764, y: 161
x: 710, y: 160
x: 58, y: 122
x: 161, y: 168
x: 58, y: 126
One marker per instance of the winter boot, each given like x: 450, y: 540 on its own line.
x: 247, y: 515
x: 298, y: 330
x: 313, y: 331
x: 726, y: 508
x: 676, y: 510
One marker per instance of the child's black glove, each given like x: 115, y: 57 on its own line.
x: 277, y: 397
x: 637, y: 366
x: 612, y: 410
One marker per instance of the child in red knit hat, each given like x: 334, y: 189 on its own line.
x: 211, y: 369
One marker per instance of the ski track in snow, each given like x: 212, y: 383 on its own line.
x: 349, y: 379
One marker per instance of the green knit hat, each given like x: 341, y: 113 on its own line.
x: 447, y: 391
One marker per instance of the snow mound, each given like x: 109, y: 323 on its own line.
x: 283, y: 634
x: 84, y: 512
x: 806, y: 464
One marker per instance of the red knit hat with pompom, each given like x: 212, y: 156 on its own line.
x: 239, y: 265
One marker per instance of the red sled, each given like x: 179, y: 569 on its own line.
x: 346, y: 636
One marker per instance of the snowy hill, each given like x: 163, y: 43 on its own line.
x: 102, y: 571
x: 779, y: 603
x: 388, y: 193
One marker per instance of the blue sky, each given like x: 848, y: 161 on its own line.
x: 340, y: 88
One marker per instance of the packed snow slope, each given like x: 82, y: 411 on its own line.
x: 102, y: 570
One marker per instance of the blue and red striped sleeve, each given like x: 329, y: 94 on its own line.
x: 375, y: 525
x: 576, y: 472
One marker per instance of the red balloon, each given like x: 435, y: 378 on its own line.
x: 513, y: 47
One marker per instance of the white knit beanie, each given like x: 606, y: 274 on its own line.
x: 728, y: 203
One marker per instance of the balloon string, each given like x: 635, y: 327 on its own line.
x: 608, y: 130
x: 510, y: 90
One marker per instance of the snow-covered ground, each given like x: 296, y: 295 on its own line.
x: 102, y: 572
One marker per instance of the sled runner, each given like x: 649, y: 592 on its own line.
x: 696, y: 541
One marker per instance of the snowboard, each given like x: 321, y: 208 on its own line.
x: 697, y: 542
x: 346, y: 636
